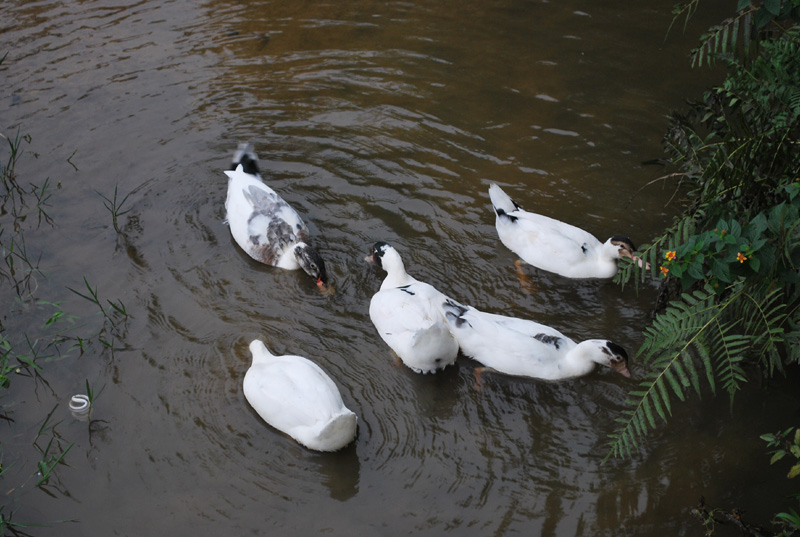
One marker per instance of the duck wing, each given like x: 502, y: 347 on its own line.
x: 545, y: 242
x: 261, y: 222
x: 410, y: 320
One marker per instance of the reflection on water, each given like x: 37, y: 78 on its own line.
x: 376, y: 121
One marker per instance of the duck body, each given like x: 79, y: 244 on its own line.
x: 525, y: 348
x: 263, y: 225
x: 553, y: 245
x: 295, y: 396
x: 409, y: 317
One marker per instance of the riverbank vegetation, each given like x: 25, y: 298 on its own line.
x: 729, y: 297
x: 36, y: 332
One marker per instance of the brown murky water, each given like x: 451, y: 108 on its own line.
x: 377, y: 121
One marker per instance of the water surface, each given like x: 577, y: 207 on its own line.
x: 376, y: 121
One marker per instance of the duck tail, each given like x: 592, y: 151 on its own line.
x: 338, y: 432
x: 246, y: 157
x: 260, y: 352
x: 502, y: 203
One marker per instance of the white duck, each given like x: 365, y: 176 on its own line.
x: 263, y: 224
x: 554, y: 246
x: 527, y: 349
x: 409, y: 317
x: 294, y: 395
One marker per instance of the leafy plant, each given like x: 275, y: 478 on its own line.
x: 786, y: 443
x: 730, y: 286
x: 701, y: 340
x: 752, y: 21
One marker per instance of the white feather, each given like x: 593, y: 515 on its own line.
x: 296, y: 396
x: 552, y: 245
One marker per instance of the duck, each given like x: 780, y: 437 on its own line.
x: 556, y: 246
x: 408, y: 315
x: 295, y: 396
x: 524, y: 348
x: 263, y: 225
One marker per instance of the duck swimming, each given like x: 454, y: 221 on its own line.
x: 263, y: 224
x: 294, y: 395
x: 555, y: 246
x: 409, y: 317
x: 527, y: 349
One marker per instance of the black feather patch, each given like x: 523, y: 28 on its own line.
x: 618, y: 350
x: 378, y: 249
x: 622, y: 239
x: 501, y: 213
x: 549, y: 340
x: 455, y: 313
x: 406, y: 289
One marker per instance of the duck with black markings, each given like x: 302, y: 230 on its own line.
x: 266, y: 227
x: 408, y: 315
x: 556, y: 246
x: 525, y: 348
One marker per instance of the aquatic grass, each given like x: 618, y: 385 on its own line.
x: 47, y: 464
x: 93, y: 297
x: 21, y: 268
x: 49, y: 460
x: 7, y: 174
x: 9, y: 527
x: 92, y: 393
x: 42, y: 195
x: 111, y: 313
x: 114, y: 207
x: 35, y: 332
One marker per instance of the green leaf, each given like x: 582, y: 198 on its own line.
x: 773, y: 6
x: 793, y: 518
x: 763, y: 16
x: 777, y: 456
x: 794, y: 471
x: 696, y: 271
x: 742, y: 5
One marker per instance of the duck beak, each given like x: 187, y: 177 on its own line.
x: 642, y: 263
x: 325, y: 289
x: 622, y: 369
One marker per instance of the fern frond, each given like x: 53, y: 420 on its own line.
x: 720, y: 37
x: 687, y: 345
x: 704, y: 355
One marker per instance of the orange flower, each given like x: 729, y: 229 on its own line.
x: 741, y: 257
x: 664, y: 270
x: 670, y: 255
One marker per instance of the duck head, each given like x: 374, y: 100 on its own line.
x: 623, y: 246
x: 384, y: 256
x: 611, y: 355
x: 311, y: 262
